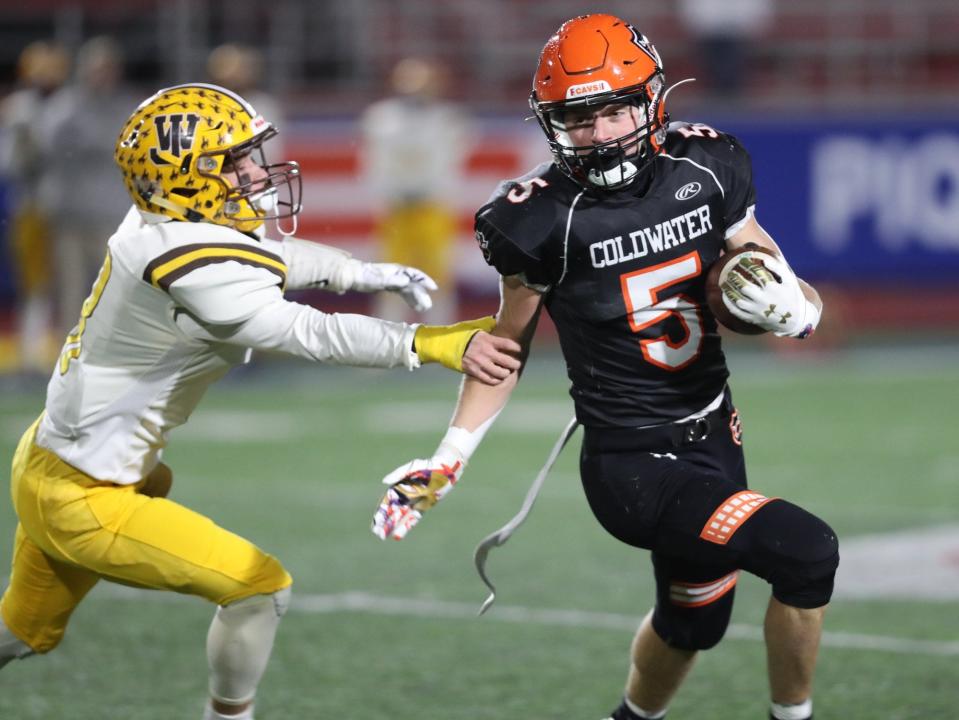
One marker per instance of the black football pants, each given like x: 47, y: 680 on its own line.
x: 683, y: 495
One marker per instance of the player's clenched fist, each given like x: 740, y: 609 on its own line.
x: 768, y: 294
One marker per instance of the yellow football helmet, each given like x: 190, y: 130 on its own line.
x: 176, y: 145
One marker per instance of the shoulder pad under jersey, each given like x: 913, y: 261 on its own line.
x: 518, y: 229
x: 722, y: 156
x: 191, y: 246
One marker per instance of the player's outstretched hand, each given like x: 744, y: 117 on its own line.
x: 413, y: 285
x: 491, y: 358
x: 415, y: 487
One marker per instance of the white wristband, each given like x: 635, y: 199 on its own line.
x: 460, y: 443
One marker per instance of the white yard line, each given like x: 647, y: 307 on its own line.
x: 372, y: 604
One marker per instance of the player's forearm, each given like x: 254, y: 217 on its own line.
x: 314, y: 265
x: 338, y: 338
x: 478, y: 407
x: 478, y: 403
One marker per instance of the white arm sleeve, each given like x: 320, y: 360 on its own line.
x: 313, y: 265
x: 243, y: 305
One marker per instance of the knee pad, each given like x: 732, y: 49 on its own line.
x: 239, y: 644
x: 685, y: 617
x: 795, y: 551
x: 256, y: 609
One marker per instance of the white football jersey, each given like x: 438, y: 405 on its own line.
x: 175, y: 305
x: 414, y: 150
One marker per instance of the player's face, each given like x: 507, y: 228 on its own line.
x: 244, y: 170
x: 595, y: 126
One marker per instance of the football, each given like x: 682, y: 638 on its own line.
x: 719, y: 273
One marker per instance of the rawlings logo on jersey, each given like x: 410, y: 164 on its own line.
x: 174, y: 136
x: 689, y: 190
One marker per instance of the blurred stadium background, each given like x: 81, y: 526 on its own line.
x: 850, y: 109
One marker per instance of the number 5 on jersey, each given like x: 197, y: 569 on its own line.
x: 74, y: 342
x: 642, y: 291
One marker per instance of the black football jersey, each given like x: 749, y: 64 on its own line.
x: 624, y: 273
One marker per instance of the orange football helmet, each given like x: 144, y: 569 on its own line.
x: 596, y: 60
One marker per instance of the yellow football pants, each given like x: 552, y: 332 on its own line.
x: 75, y: 530
x: 30, y: 243
x: 422, y: 235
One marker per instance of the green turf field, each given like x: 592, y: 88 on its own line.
x: 291, y: 457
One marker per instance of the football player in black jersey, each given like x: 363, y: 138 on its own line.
x: 614, y: 237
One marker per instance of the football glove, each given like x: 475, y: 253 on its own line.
x: 414, y: 488
x: 413, y: 285
x: 767, y: 293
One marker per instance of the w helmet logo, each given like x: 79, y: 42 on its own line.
x: 174, y: 136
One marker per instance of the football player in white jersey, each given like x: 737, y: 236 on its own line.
x: 190, y: 285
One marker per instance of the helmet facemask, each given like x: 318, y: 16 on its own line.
x: 274, y: 197
x: 616, y: 163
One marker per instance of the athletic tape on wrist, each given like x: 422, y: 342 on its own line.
x: 462, y: 443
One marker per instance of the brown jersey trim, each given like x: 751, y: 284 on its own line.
x: 169, y: 267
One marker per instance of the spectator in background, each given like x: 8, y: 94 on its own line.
x: 79, y: 189
x: 414, y: 146
x: 42, y: 68
x: 240, y: 68
x: 724, y: 31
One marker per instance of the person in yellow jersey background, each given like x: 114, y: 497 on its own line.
x: 413, y: 152
x: 190, y: 284
x: 42, y: 67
